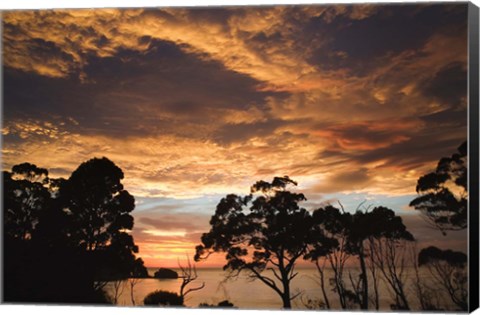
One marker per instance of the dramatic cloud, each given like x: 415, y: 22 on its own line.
x: 196, y: 103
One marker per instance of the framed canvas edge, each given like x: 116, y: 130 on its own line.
x: 473, y: 149
x: 473, y: 85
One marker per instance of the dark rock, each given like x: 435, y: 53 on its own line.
x: 164, y: 273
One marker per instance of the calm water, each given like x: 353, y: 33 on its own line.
x: 244, y: 293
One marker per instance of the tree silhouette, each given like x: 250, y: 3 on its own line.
x: 268, y: 233
x: 428, y: 298
x: 378, y: 237
x: 448, y: 270
x: 132, y: 282
x: 99, y: 206
x: 99, y: 209
x: 117, y: 261
x: 331, y: 226
x: 221, y: 304
x: 26, y: 194
x: 189, y: 274
x: 118, y: 287
x: 81, y: 222
x: 163, y: 298
x: 27, y: 200
x: 371, y: 237
x: 444, y: 192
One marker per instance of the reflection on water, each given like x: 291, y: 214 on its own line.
x: 244, y: 293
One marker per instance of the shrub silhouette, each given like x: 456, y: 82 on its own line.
x: 222, y: 304
x: 164, y: 298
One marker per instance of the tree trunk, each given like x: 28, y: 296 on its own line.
x: 364, y: 302
x: 373, y: 272
x: 322, y: 283
x: 287, y: 304
x: 286, y: 294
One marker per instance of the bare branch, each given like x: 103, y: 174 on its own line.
x: 275, y: 274
x: 296, y: 295
x: 341, y: 206
x: 194, y: 289
x: 293, y: 275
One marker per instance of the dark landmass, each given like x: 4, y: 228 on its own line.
x: 164, y: 273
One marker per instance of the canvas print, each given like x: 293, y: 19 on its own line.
x: 308, y: 157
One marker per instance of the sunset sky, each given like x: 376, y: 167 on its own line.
x: 353, y: 102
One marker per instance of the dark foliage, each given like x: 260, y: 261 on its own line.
x: 268, y: 232
x: 163, y: 298
x: 433, y: 254
x: 337, y: 235
x: 65, y: 238
x: 99, y: 206
x: 139, y: 270
x: 448, y: 269
x: 25, y: 195
x: 222, y: 304
x: 444, y: 192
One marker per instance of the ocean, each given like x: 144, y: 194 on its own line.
x: 247, y: 294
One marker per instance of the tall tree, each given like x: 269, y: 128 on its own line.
x: 99, y: 206
x: 363, y: 235
x: 444, y: 193
x: 331, y: 226
x: 99, y: 209
x: 379, y: 237
x: 263, y: 237
x: 82, y: 222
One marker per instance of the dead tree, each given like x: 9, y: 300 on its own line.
x: 189, y: 274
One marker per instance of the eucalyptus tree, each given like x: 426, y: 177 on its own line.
x: 26, y: 195
x: 443, y: 193
x: 98, y: 204
x: 332, y: 227
x: 262, y: 234
x: 370, y: 237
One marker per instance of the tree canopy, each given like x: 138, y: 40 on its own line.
x: 443, y: 193
x: 264, y: 231
x: 99, y: 206
x: 338, y: 235
x: 26, y: 194
x: 82, y: 221
x: 447, y: 268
